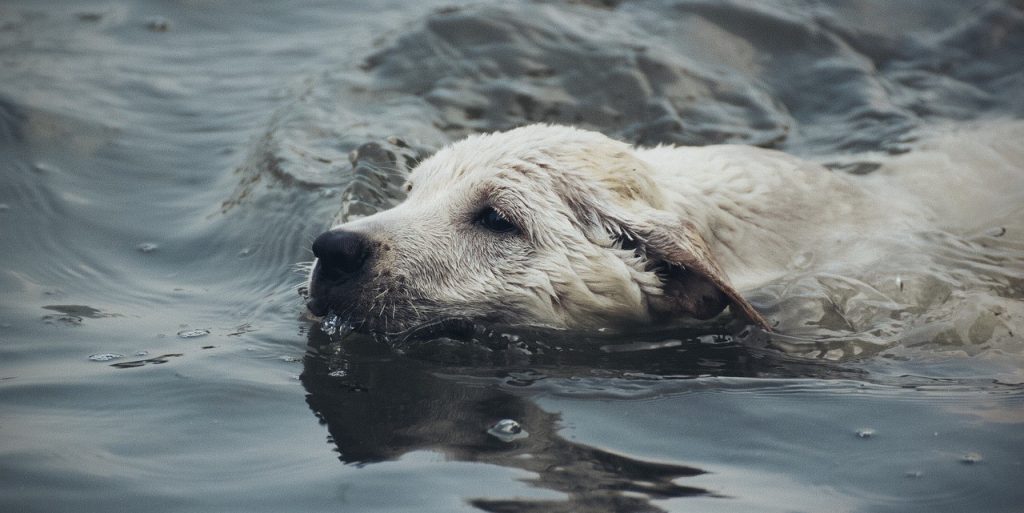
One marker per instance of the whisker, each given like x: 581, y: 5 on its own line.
x: 302, y: 267
x: 375, y: 166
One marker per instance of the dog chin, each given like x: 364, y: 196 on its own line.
x: 400, y: 320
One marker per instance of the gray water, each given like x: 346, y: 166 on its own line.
x: 164, y: 167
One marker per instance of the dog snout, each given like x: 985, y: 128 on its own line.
x: 342, y: 252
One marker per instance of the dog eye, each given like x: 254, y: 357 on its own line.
x: 494, y: 221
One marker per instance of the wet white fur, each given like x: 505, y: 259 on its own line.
x: 758, y: 210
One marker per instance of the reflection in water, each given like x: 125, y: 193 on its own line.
x: 443, y: 393
x: 378, y: 406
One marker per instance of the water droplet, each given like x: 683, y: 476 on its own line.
x: 507, y: 430
x: 865, y: 433
x: 105, y: 357
x: 340, y: 373
x: 147, y: 247
x: 193, y: 333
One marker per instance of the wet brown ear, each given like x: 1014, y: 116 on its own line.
x: 694, y: 282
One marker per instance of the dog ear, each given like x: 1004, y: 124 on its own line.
x: 694, y: 283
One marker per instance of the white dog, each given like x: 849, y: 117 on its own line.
x: 561, y: 227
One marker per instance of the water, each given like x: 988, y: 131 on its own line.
x: 165, y: 167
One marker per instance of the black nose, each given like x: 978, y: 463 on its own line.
x: 341, y: 251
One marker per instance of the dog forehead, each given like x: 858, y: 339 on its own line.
x: 528, y: 143
x: 447, y: 171
x: 536, y: 160
x: 462, y: 171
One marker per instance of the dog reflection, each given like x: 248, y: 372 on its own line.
x: 378, y: 406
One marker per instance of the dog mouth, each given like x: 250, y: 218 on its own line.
x: 339, y: 312
x: 318, y: 307
x: 392, y: 318
x: 321, y: 310
x: 332, y: 299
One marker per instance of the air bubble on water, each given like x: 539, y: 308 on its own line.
x: 711, y: 340
x: 971, y: 458
x: 193, y: 333
x: 865, y: 433
x: 105, y: 357
x: 333, y: 325
x: 507, y: 430
x: 330, y: 323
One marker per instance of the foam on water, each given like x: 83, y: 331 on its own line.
x: 105, y: 357
x: 193, y: 333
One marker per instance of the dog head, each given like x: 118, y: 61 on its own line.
x: 541, y: 225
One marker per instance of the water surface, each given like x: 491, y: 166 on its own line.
x: 165, y: 167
